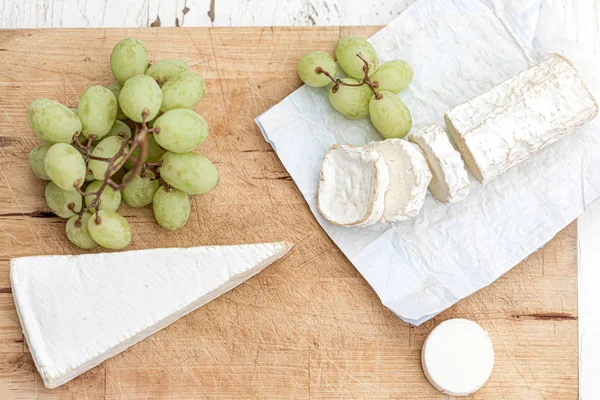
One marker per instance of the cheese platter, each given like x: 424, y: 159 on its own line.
x: 287, y: 332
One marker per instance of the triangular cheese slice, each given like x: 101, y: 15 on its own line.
x: 77, y: 311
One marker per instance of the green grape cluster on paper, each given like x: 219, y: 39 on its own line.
x: 91, y: 154
x: 370, y: 88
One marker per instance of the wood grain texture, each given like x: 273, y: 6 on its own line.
x: 306, y: 327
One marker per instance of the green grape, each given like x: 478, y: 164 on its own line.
x: 97, y: 111
x: 58, y: 200
x: 390, y: 116
x: 112, y: 232
x: 171, y: 209
x: 116, y: 87
x: 351, y: 101
x: 140, y: 191
x: 129, y: 58
x: 65, y: 166
x: 346, y: 52
x: 107, y: 148
x: 139, y: 93
x: 310, y: 62
x: 79, y: 234
x: 189, y: 172
x: 164, y: 70
x: 393, y: 76
x: 153, y: 153
x: 36, y: 160
x: 110, y: 199
x: 120, y: 128
x: 52, y: 122
x: 181, y: 130
x: 183, y: 91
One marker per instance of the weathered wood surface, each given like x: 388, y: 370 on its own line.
x: 307, y: 327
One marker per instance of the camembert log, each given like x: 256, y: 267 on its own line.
x: 503, y: 126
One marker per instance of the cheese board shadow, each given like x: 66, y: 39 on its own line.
x: 309, y: 326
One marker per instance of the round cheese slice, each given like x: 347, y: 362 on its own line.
x: 409, y: 178
x: 352, y: 186
x: 458, y: 357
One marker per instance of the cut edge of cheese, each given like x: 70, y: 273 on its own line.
x: 464, y: 151
x: 409, y: 178
x: 56, y: 278
x: 450, y: 182
x: 498, y: 129
x: 352, y: 186
x: 457, y: 357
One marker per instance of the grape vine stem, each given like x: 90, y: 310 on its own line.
x: 139, y: 140
x: 366, y: 79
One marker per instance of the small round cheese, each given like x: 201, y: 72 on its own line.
x: 458, y: 357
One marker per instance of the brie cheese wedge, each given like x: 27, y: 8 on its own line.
x: 450, y: 181
x: 458, y: 357
x: 409, y: 178
x: 77, y: 311
x: 352, y: 186
x: 503, y: 126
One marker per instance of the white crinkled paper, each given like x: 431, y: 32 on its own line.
x: 458, y: 49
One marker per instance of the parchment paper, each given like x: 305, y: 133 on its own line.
x: 458, y: 49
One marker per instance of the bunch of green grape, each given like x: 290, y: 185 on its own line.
x: 86, y: 148
x: 369, y: 90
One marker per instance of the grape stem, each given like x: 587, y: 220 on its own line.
x: 154, y: 166
x: 139, y: 140
x: 366, y: 80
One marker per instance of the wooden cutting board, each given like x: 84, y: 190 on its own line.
x: 308, y: 326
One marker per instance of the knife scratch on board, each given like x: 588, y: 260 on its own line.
x: 547, y: 316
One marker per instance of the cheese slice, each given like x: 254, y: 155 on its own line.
x: 409, y: 178
x: 503, y: 126
x: 77, y: 311
x: 352, y: 186
x: 450, y: 181
x: 458, y: 357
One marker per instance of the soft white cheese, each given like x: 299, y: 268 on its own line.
x: 503, y: 126
x: 458, y: 357
x: 77, y: 311
x: 352, y: 186
x: 409, y: 178
x: 450, y: 181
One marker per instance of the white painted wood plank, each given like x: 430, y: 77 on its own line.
x: 19, y: 14
x: 588, y: 230
x: 135, y: 13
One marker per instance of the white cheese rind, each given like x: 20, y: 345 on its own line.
x: 409, y: 178
x: 352, y: 186
x: 458, y: 357
x: 503, y: 126
x: 77, y: 311
x: 450, y: 182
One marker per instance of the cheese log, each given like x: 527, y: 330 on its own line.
x: 409, y: 178
x: 77, y: 311
x: 352, y: 186
x: 503, y: 126
x: 450, y: 181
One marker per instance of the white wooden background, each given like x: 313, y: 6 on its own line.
x: 580, y: 17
